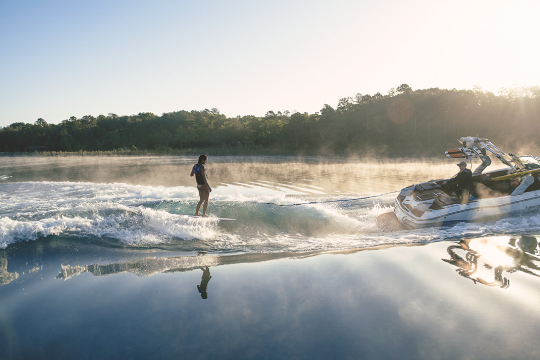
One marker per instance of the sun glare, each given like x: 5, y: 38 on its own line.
x: 492, y: 250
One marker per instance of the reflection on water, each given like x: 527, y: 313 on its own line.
x: 149, y: 266
x: 489, y: 260
x: 316, y: 305
x: 141, y: 267
x: 203, y: 286
x: 5, y: 276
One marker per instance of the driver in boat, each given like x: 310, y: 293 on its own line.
x: 461, y: 183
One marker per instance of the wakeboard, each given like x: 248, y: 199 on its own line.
x: 209, y: 217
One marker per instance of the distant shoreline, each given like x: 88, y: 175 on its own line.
x: 224, y: 151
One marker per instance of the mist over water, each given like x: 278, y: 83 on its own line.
x: 143, y: 203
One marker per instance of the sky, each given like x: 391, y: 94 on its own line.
x: 63, y: 58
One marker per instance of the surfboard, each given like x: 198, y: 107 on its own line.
x: 209, y: 217
x: 510, y: 176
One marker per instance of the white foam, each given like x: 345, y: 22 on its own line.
x: 33, y: 210
x: 141, y: 215
x: 135, y: 227
x: 14, y: 230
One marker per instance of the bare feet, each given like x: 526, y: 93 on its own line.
x: 204, y: 215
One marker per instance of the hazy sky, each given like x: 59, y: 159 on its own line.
x: 62, y: 58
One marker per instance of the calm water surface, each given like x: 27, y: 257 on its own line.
x: 97, y: 260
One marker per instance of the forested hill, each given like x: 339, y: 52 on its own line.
x: 403, y: 122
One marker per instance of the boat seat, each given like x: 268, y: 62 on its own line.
x: 444, y: 200
x: 428, y: 185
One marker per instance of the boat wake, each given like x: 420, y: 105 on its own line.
x: 154, y: 217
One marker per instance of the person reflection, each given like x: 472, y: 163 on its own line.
x: 499, y: 280
x: 527, y: 244
x: 204, y: 282
x: 518, y: 255
x: 466, y: 266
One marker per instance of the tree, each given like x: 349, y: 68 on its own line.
x: 68, y: 143
x: 344, y: 105
x: 404, y: 89
x: 41, y: 123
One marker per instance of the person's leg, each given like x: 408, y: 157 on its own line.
x: 465, y: 196
x: 205, y: 197
x: 200, y: 202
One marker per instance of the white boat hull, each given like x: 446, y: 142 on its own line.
x: 472, y: 211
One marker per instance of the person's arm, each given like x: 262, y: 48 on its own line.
x: 452, y: 181
x: 192, y: 171
x: 203, y: 173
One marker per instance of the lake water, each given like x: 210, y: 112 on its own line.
x: 138, y: 202
x: 98, y: 260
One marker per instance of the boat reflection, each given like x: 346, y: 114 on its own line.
x: 488, y: 260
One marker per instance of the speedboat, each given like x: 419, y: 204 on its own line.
x: 432, y: 204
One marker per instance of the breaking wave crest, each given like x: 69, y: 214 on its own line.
x: 147, y: 216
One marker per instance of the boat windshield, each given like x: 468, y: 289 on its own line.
x: 530, y: 161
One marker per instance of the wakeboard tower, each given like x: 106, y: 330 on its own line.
x: 432, y: 204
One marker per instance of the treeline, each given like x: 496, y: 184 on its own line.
x: 403, y: 122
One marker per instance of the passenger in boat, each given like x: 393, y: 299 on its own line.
x: 525, y: 183
x: 514, y: 184
x: 489, y: 188
x: 530, y: 182
x: 461, y: 183
x: 483, y: 190
x: 486, y: 161
x: 519, y: 185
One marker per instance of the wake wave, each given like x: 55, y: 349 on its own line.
x: 135, y: 216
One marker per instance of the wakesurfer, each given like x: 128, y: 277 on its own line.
x: 199, y: 171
